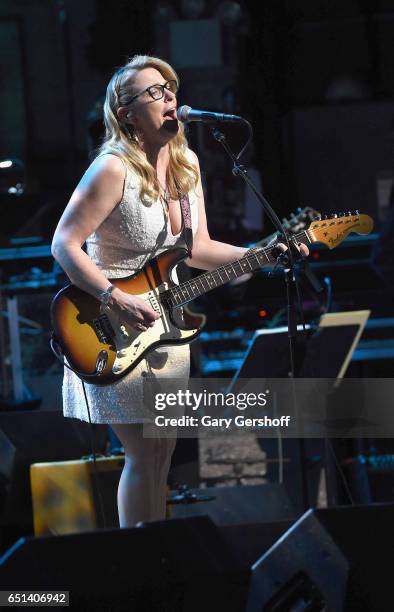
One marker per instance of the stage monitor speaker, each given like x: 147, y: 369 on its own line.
x: 332, y: 560
x: 32, y: 437
x: 246, y: 504
x: 170, y: 566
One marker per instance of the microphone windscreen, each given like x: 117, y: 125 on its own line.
x: 183, y: 112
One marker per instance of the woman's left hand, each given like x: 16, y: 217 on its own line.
x: 302, y: 248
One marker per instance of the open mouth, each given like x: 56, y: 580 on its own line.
x: 170, y: 114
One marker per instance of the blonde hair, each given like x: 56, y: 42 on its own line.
x: 121, y: 140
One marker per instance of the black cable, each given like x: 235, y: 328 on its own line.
x: 100, y: 363
x: 341, y: 473
x: 95, y: 468
x: 56, y: 351
x: 249, y: 140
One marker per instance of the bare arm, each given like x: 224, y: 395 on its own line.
x: 95, y: 197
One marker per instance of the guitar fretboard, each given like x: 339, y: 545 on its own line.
x: 189, y: 290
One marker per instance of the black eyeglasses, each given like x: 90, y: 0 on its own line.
x: 156, y: 92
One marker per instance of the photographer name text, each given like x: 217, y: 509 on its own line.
x: 224, y: 423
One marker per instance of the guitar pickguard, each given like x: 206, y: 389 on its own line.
x: 131, y: 344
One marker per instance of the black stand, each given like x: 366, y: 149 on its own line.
x: 186, y: 496
x: 240, y: 170
x: 288, y: 258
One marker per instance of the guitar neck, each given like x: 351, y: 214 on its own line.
x: 189, y: 290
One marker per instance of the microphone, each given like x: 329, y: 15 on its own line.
x: 187, y: 114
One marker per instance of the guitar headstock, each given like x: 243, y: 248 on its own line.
x: 334, y: 229
x: 299, y: 220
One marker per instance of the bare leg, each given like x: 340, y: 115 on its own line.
x: 142, y: 485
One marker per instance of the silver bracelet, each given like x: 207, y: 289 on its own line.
x: 105, y: 296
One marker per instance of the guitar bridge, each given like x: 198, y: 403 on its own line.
x: 104, y: 330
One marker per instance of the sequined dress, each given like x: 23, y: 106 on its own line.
x: 130, y: 236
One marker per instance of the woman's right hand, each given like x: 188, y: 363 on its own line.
x: 133, y: 310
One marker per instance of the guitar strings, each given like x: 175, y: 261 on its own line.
x: 188, y: 285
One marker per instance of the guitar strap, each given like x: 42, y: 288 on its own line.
x: 187, y: 221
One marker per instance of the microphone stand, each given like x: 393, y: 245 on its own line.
x: 241, y: 171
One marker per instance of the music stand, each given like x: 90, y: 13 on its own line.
x: 327, y: 354
x: 330, y: 348
x: 267, y: 356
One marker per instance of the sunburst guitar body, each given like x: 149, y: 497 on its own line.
x: 90, y: 333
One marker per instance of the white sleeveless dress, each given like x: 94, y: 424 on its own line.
x: 129, y: 237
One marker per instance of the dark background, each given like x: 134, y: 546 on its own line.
x: 315, y: 78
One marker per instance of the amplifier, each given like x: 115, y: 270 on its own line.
x: 65, y: 499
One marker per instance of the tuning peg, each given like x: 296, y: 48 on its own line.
x: 349, y: 213
x: 333, y: 216
x: 317, y: 217
x: 341, y: 214
x: 325, y: 216
x: 357, y: 212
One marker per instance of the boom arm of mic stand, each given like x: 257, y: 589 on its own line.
x: 240, y: 170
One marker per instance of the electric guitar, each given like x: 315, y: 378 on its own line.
x: 100, y: 348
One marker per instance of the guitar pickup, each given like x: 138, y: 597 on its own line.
x: 104, y: 330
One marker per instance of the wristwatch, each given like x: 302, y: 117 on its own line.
x: 105, y: 296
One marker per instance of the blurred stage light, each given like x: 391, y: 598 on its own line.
x: 229, y: 12
x: 10, y: 163
x: 165, y: 11
x: 192, y: 9
x: 12, y: 176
